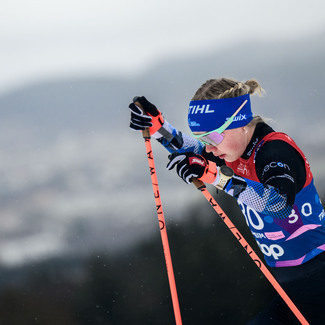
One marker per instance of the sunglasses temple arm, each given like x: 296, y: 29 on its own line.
x: 229, y: 121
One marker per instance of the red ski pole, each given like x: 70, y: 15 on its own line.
x: 162, y: 226
x: 200, y: 186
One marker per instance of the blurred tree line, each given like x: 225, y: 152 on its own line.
x: 217, y: 282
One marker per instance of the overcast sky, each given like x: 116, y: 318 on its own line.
x: 43, y: 39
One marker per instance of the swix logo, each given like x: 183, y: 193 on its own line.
x: 240, y: 117
x: 200, y: 109
x: 253, y: 146
x: 194, y: 160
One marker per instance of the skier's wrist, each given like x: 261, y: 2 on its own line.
x: 164, y: 131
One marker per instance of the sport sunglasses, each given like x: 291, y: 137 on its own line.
x: 215, y: 137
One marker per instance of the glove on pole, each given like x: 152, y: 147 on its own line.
x: 200, y: 186
x: 161, y: 219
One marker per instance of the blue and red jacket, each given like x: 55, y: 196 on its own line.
x: 290, y: 239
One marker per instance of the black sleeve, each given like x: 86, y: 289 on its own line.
x: 280, y: 165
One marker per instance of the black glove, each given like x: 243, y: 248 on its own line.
x: 150, y: 117
x: 188, y: 165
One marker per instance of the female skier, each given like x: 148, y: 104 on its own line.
x: 272, y: 184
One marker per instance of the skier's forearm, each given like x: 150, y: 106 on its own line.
x: 176, y: 141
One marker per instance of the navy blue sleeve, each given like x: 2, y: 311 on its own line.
x: 278, y: 164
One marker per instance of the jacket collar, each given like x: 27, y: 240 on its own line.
x: 261, y: 130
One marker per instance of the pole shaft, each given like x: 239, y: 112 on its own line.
x: 200, y: 185
x: 161, y: 220
x: 163, y: 232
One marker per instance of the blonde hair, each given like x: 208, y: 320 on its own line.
x: 229, y: 88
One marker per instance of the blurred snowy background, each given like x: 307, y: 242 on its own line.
x: 79, y: 236
x: 74, y: 178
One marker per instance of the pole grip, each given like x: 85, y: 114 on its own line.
x: 197, y: 183
x: 145, y: 132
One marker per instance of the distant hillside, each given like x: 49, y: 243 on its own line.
x: 291, y: 72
